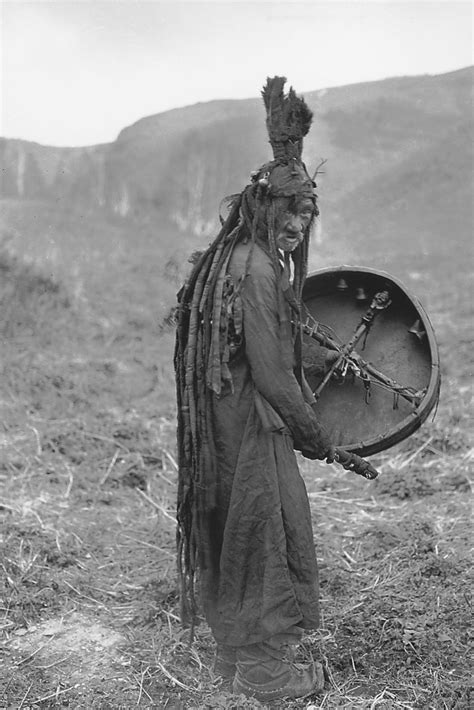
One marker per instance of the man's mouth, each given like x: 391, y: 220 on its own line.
x: 290, y: 241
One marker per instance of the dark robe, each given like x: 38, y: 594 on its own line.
x: 262, y: 578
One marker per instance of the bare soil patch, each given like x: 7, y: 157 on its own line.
x: 86, y: 650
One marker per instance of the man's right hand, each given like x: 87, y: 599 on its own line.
x: 320, y: 447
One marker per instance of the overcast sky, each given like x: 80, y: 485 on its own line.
x: 77, y: 72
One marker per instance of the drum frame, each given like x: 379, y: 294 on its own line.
x: 407, y: 426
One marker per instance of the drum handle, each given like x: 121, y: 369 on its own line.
x: 380, y: 302
x: 408, y: 393
x: 355, y: 463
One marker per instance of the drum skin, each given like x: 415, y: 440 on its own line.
x: 368, y: 418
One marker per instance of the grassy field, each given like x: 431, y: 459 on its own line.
x: 89, y: 610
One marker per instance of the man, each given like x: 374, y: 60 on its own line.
x: 244, y: 524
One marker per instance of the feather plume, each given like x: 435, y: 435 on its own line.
x: 288, y: 119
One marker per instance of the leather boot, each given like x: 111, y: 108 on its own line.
x: 266, y: 672
x: 224, y: 664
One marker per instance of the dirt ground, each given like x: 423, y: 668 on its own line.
x: 89, y: 609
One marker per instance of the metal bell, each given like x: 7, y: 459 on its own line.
x: 342, y: 285
x: 361, y: 294
x: 417, y: 330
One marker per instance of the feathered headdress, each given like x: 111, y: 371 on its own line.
x: 288, y: 119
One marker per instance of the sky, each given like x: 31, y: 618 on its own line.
x: 76, y: 72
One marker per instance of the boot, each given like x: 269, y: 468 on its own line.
x: 266, y: 672
x: 224, y: 664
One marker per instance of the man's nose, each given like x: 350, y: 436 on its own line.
x: 293, y: 225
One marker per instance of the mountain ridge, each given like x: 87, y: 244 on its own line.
x: 397, y: 177
x: 466, y: 73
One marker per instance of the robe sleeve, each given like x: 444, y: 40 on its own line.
x: 269, y: 351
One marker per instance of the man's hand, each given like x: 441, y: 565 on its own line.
x: 332, y: 356
x: 317, y: 360
x: 321, y: 448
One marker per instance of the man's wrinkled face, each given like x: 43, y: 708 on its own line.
x: 293, y: 217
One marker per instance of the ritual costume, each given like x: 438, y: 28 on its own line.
x: 245, y: 543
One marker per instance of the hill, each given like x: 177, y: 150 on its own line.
x: 395, y: 190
